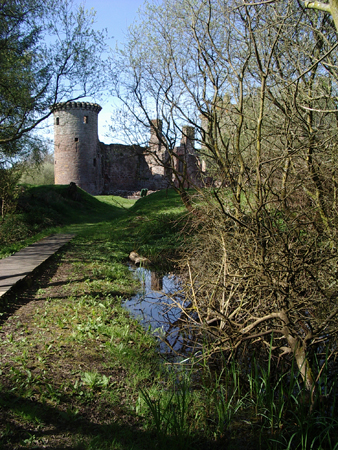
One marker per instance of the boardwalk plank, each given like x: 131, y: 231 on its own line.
x: 18, y: 266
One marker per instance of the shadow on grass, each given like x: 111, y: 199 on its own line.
x: 24, y: 420
x: 50, y: 201
x: 43, y: 210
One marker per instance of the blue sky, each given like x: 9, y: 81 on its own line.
x: 116, y: 16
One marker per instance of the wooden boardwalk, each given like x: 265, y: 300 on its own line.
x: 18, y: 266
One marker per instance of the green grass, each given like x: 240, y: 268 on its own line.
x: 77, y: 358
x: 44, y: 210
x: 149, y: 225
x: 77, y: 372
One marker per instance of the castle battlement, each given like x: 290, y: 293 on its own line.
x: 99, y: 168
x: 77, y: 105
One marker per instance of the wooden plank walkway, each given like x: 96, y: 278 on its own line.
x: 18, y: 266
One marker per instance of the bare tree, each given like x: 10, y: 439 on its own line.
x: 258, y: 82
x: 331, y: 7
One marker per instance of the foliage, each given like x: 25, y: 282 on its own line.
x: 258, y: 81
x: 49, y: 53
x: 40, y: 172
x: 9, y: 190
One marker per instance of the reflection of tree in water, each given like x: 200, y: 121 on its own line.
x: 160, y: 304
x: 156, y: 282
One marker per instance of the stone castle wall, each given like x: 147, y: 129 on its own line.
x: 99, y: 168
x: 124, y: 168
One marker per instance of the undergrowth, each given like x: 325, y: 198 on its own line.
x: 77, y: 372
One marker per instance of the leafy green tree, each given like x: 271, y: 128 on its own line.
x: 49, y: 53
x: 39, y: 172
x: 9, y: 191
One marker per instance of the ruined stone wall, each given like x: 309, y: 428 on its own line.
x: 98, y: 168
x: 123, y: 168
x: 187, y: 166
x: 157, y: 158
x: 188, y: 139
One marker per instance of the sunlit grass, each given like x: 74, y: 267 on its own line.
x: 78, y: 362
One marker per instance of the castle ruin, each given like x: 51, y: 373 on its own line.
x: 99, y: 168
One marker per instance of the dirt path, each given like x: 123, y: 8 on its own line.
x: 46, y: 352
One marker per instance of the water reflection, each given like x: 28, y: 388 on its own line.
x: 156, y: 306
x: 156, y: 282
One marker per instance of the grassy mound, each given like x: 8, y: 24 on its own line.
x: 41, y: 209
x: 148, y: 225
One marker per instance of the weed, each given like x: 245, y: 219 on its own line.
x: 94, y: 380
x: 159, y: 409
x: 170, y: 411
x: 29, y: 441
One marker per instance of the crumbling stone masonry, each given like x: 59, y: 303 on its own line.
x: 99, y: 168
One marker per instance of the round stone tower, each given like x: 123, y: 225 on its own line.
x: 77, y: 155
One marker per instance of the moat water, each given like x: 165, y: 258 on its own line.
x: 158, y: 306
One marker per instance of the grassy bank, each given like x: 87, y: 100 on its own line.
x: 72, y: 360
x: 77, y: 372
x: 148, y: 225
x: 43, y: 210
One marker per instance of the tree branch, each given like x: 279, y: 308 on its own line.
x: 320, y: 6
